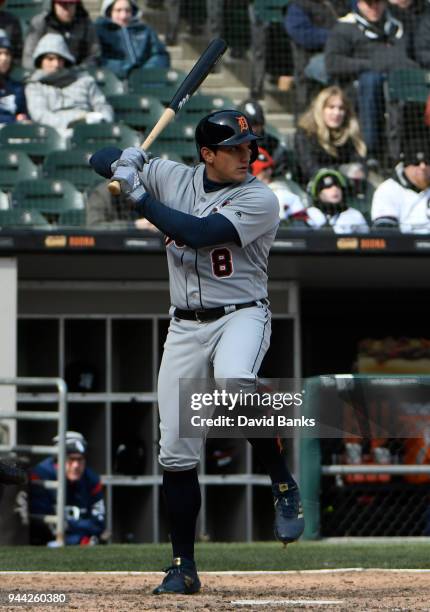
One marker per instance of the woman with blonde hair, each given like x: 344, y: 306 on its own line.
x: 328, y: 136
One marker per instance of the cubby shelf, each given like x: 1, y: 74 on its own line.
x: 110, y: 362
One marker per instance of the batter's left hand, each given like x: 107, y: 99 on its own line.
x: 129, y: 179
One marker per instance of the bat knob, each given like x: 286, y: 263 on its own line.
x: 114, y: 188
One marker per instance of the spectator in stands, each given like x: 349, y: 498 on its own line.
x: 402, y: 201
x: 70, y: 19
x: 363, y: 46
x: 290, y: 204
x: 85, y: 509
x: 308, y: 23
x: 57, y: 94
x: 328, y: 135
x: 12, y: 98
x: 410, y: 13
x: 276, y: 148
x: 328, y: 190
x: 126, y: 41
x: 10, y: 24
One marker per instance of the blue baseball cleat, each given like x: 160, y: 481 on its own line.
x: 181, y: 578
x: 289, y: 522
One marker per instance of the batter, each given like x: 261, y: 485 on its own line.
x: 220, y: 223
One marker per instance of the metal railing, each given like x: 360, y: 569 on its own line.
x: 60, y: 449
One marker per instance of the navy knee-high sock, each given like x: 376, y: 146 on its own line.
x: 183, y: 499
x: 271, y: 456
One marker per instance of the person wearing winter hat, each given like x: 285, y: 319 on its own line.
x: 126, y: 41
x: 328, y: 192
x: 290, y: 204
x: 58, y: 94
x: 70, y: 19
x: 85, y: 510
x: 12, y: 98
x: 402, y: 201
x: 10, y: 24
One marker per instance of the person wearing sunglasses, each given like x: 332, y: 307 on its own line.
x: 403, y: 201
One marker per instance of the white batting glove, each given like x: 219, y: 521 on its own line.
x: 130, y: 182
x: 133, y: 157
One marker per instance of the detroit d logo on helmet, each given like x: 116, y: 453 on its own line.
x: 243, y: 123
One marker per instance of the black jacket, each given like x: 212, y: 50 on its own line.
x: 311, y: 157
x: 80, y: 36
x: 422, y: 42
x: 355, y: 46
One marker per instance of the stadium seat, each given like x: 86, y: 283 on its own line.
x: 15, y: 166
x: 203, y: 104
x: 270, y: 10
x: 19, y: 73
x: 163, y: 93
x: 92, y: 137
x: 71, y: 166
x: 137, y: 111
x: 153, y: 77
x: 32, y: 138
x: 408, y: 85
x: 14, y: 217
x: 163, y: 151
x: 178, y: 138
x: 406, y: 93
x: 72, y: 218
x: 108, y: 82
x: 26, y: 9
x: 48, y: 196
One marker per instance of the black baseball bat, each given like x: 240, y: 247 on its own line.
x: 189, y: 85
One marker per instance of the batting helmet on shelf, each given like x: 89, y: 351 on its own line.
x: 225, y: 128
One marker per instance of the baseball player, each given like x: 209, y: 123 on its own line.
x: 219, y: 223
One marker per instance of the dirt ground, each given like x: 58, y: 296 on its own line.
x: 358, y: 591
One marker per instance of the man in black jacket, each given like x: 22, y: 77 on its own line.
x: 308, y: 23
x: 364, y: 46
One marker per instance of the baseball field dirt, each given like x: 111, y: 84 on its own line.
x: 340, y: 590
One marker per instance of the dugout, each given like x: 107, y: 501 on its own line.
x: 93, y: 306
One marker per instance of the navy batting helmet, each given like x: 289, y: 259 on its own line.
x: 225, y: 128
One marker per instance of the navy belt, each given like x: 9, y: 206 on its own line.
x: 210, y: 314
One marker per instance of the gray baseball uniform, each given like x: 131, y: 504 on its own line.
x: 234, y: 345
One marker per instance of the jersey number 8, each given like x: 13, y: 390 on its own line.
x: 222, y: 262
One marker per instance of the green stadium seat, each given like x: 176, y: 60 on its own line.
x: 160, y: 150
x: 17, y: 217
x: 19, y: 73
x: 15, y: 166
x: 92, y: 137
x: 153, y: 77
x: 163, y: 93
x: 72, y: 218
x: 32, y: 138
x: 26, y: 9
x: 71, y: 166
x: 178, y: 139
x: 270, y: 10
x: 108, y: 82
x: 205, y: 104
x: 137, y: 111
x: 51, y: 197
x: 408, y: 85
